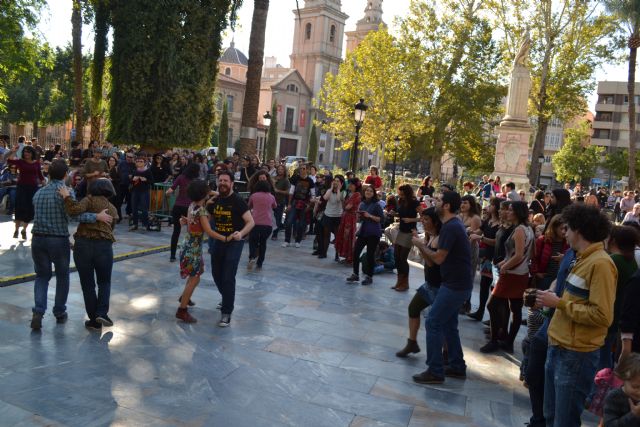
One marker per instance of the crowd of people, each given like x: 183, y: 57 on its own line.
x: 567, y: 258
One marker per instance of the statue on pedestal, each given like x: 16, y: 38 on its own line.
x: 519, y: 87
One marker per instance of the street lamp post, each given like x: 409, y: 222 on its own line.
x: 395, y: 152
x: 266, y: 120
x: 540, y: 162
x: 360, y: 110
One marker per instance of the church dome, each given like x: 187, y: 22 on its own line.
x: 232, y: 55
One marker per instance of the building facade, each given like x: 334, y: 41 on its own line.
x: 231, y: 86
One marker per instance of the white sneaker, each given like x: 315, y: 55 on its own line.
x: 285, y: 245
x: 252, y: 262
x: 225, y: 320
x: 297, y: 245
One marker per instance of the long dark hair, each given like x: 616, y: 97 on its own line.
x: 406, y: 195
x: 191, y: 171
x: 474, y: 209
x: 435, y: 218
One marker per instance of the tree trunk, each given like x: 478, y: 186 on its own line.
x: 249, y: 131
x: 633, y: 52
x: 36, y: 130
x: 97, y: 73
x: 435, y: 166
x: 76, y: 32
x: 543, y: 121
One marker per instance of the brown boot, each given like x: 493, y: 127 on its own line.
x: 403, y: 283
x: 411, y: 347
x: 184, y: 315
x: 398, y: 281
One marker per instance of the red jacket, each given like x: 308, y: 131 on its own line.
x: 542, y: 254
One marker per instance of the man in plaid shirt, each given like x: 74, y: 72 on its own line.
x: 50, y: 244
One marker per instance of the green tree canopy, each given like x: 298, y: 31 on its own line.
x: 164, y: 68
x: 577, y: 159
x: 312, y: 148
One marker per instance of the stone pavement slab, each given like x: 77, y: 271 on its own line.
x: 303, y: 349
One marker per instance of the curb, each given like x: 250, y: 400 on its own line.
x: 14, y: 280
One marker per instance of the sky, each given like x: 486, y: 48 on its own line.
x: 55, y: 27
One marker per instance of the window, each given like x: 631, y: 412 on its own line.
x: 227, y: 71
x: 230, y: 103
x: 606, y: 99
x: 552, y: 141
x: 289, y: 119
x: 604, y: 116
x: 602, y: 133
x: 292, y: 88
x: 307, y: 31
x: 332, y: 34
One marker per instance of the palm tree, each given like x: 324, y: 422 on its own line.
x: 628, y: 13
x: 248, y: 131
x: 76, y: 32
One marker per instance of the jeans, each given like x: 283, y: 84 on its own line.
x: 371, y: 243
x: 10, y: 192
x: 224, y: 265
x: 277, y: 213
x: 330, y: 224
x: 295, y: 220
x: 442, y: 324
x: 140, y: 203
x: 46, y: 250
x: 92, y: 255
x: 568, y: 378
x: 258, y: 242
x: 534, y: 375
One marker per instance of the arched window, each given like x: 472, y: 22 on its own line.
x: 332, y: 34
x: 307, y: 31
x: 227, y: 71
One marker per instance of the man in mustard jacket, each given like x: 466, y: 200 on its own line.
x: 582, y: 316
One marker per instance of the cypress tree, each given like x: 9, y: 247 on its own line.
x: 164, y: 66
x: 312, y: 148
x: 272, y: 136
x: 223, y: 133
x: 101, y: 28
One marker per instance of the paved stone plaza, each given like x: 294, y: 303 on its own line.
x: 303, y: 349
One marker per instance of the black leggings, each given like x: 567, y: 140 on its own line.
x: 371, y: 243
x: 417, y: 304
x: 176, y: 213
x: 485, y: 287
x: 402, y: 255
x: 499, y: 311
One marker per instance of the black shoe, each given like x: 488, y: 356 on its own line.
x: 320, y: 256
x: 427, y: 377
x: 92, y: 324
x: 475, y: 316
x: 23, y: 233
x: 104, y: 320
x: 61, y: 318
x: 15, y: 234
x: 36, y: 321
x: 506, y: 347
x: 353, y: 278
x: 315, y: 253
x: 190, y: 303
x: 172, y: 259
x: 411, y: 347
x: 452, y: 373
x: 367, y: 281
x: 490, y: 347
x: 225, y: 320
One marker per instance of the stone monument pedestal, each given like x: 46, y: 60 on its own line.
x: 512, y: 153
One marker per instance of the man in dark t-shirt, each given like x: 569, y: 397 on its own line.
x: 231, y: 218
x: 454, y: 257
